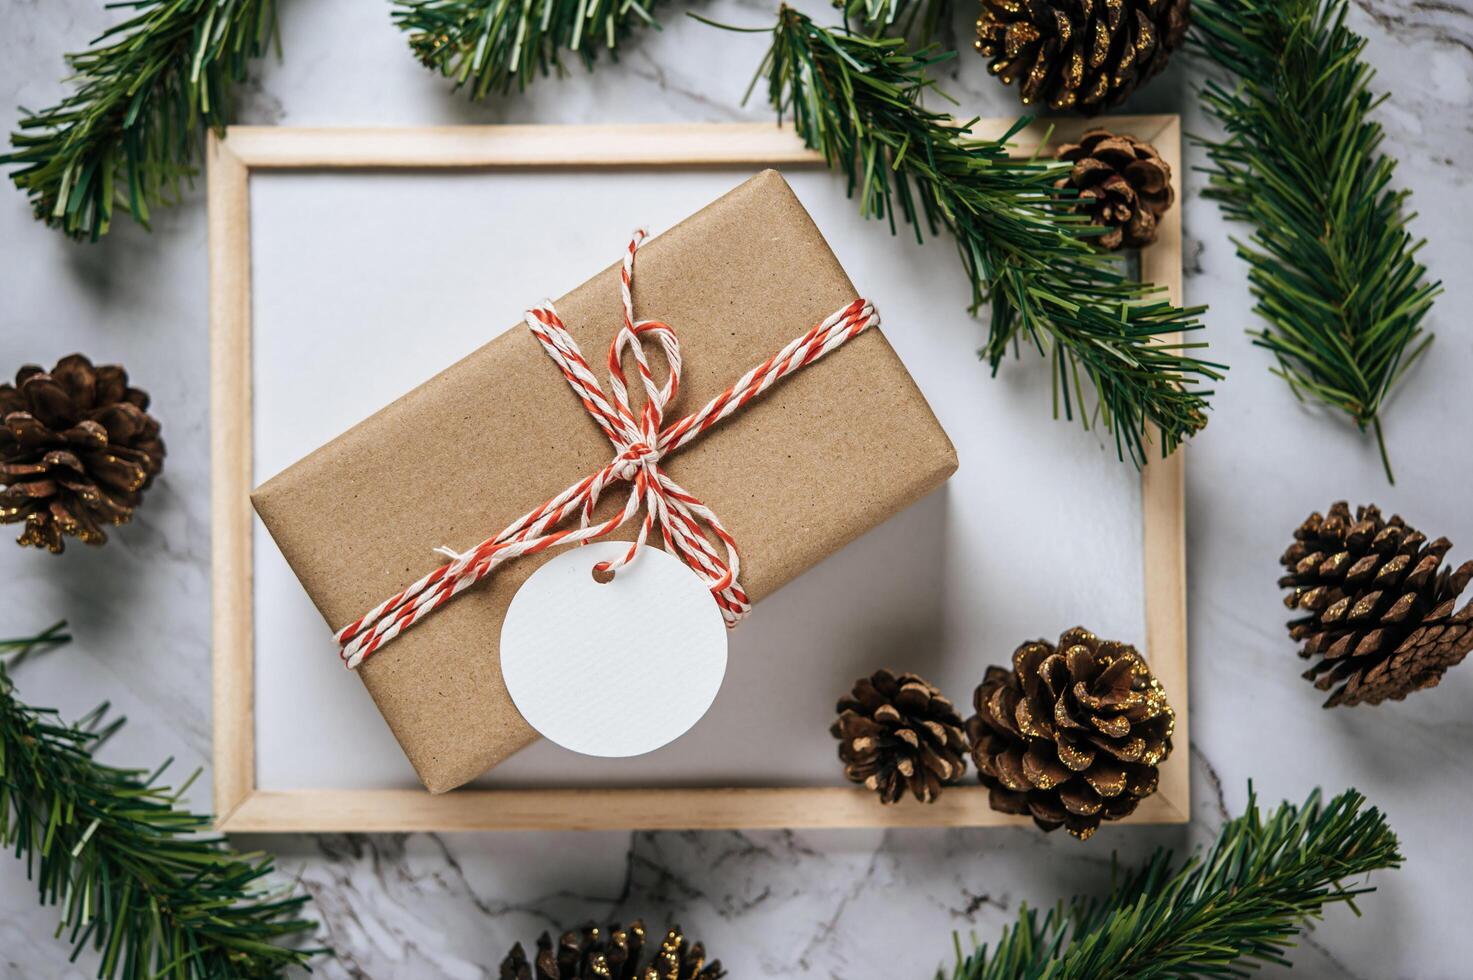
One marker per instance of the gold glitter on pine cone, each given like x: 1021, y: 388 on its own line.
x: 1072, y: 735
x: 1087, y: 55
x: 1123, y: 185
x: 594, y: 953
x: 897, y: 734
x: 77, y: 450
x: 1381, y: 607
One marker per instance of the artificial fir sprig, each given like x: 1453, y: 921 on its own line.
x: 489, y: 46
x: 1219, y: 914
x: 135, y: 879
x: 856, y: 99
x: 1331, y: 262
x: 130, y: 132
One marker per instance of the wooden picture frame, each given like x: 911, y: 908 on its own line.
x: 241, y: 806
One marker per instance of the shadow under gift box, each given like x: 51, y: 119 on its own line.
x: 823, y: 456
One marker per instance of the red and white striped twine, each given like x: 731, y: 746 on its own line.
x: 639, y: 445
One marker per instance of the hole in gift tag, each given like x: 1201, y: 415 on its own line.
x: 577, y: 653
x: 603, y: 576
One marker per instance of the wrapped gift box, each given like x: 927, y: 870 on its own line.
x: 825, y: 455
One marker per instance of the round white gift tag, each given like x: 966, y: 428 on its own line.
x: 613, y: 668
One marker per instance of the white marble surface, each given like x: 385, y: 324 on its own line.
x: 853, y: 904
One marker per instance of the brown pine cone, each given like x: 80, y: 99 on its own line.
x: 1073, y: 734
x: 899, y: 732
x: 77, y: 450
x: 1087, y: 55
x: 611, y: 954
x: 1381, y: 613
x: 1123, y: 185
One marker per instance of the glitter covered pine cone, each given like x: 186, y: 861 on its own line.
x: 1087, y: 55
x: 77, y: 450
x: 1382, y: 618
x: 595, y: 953
x: 897, y: 734
x: 1073, y: 734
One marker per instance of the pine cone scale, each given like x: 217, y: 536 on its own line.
x: 1104, y: 778
x: 1043, y: 769
x: 1081, y: 800
x: 1076, y: 757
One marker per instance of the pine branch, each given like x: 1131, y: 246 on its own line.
x: 488, y: 46
x: 1221, y: 914
x: 129, y: 133
x: 1331, y: 262
x: 856, y: 99
x: 134, y: 878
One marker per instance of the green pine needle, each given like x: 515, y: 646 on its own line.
x: 919, y: 19
x: 1219, y: 914
x: 1331, y: 262
x: 129, y: 134
x: 135, y: 879
x: 856, y: 99
x: 489, y: 46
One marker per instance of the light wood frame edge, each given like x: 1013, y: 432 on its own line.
x: 240, y: 806
x: 231, y: 578
x: 1164, y: 507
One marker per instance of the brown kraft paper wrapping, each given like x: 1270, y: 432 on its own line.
x: 822, y: 457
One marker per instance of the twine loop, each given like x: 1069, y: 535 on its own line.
x: 640, y: 441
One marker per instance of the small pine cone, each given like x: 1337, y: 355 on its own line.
x: 1073, y: 734
x: 899, y: 732
x: 1123, y: 185
x: 611, y: 954
x: 77, y: 450
x: 1380, y: 605
x: 1087, y: 55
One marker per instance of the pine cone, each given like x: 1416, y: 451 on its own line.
x: 611, y: 954
x: 1080, y: 54
x: 1381, y: 616
x: 897, y: 733
x: 77, y: 450
x: 1123, y: 184
x: 1072, y: 734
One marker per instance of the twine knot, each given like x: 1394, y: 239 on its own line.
x: 639, y: 456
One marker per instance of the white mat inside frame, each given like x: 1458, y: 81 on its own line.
x: 1040, y: 529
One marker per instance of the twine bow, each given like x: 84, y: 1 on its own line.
x: 640, y: 443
